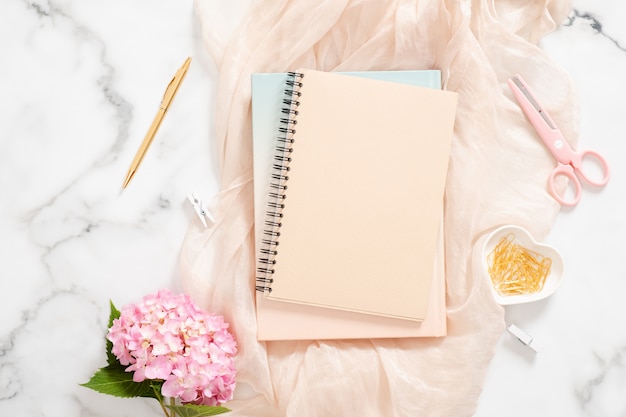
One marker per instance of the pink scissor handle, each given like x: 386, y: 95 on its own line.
x: 562, y: 170
x: 576, y: 167
x: 577, y: 163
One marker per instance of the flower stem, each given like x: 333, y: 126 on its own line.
x: 173, y: 403
x: 164, y: 409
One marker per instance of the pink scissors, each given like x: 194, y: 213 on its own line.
x: 569, y: 162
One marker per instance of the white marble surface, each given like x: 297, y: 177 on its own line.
x: 581, y: 368
x: 81, y: 81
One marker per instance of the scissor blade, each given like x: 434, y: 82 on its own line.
x: 523, y: 88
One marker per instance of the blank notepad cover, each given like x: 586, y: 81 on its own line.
x: 363, y: 206
x: 278, y: 320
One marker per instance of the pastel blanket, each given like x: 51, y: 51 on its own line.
x: 497, y: 175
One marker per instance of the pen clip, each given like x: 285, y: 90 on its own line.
x: 200, y: 208
x: 172, y: 87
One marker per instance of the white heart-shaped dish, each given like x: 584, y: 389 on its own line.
x: 523, y: 238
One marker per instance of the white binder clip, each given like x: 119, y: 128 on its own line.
x: 200, y: 209
x: 523, y: 337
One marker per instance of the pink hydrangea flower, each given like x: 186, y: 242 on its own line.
x: 167, y: 337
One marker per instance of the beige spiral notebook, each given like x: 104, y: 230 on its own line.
x: 355, y: 207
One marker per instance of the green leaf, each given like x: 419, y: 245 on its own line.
x: 191, y: 410
x: 113, y: 380
x: 115, y: 314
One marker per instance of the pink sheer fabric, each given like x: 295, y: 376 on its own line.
x: 498, y: 172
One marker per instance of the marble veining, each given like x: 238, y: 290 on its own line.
x: 607, y: 370
x: 104, y: 77
x: 588, y: 18
x: 83, y: 80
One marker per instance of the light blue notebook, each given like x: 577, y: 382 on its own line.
x: 288, y: 321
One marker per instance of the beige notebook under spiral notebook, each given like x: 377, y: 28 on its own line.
x: 358, y: 227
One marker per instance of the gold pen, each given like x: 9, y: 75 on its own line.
x: 170, y: 92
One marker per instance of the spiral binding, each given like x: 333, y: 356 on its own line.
x: 278, y: 184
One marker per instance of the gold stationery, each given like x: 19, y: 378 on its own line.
x: 170, y: 92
